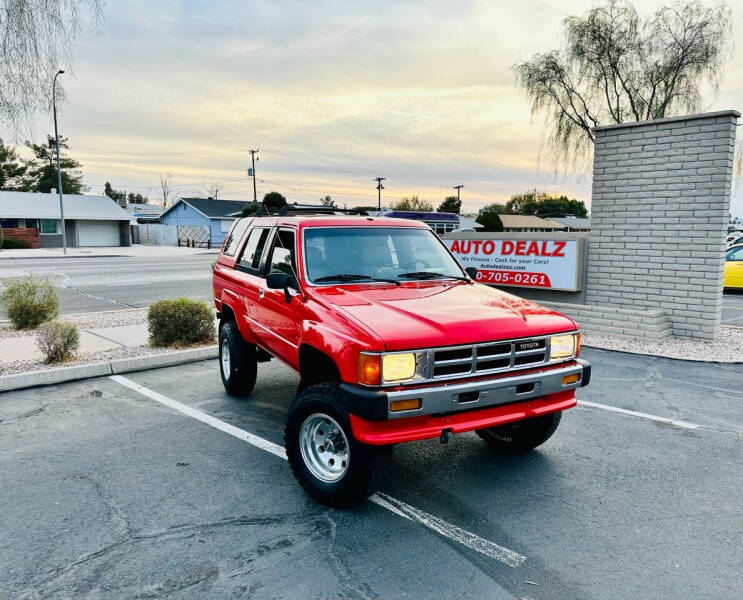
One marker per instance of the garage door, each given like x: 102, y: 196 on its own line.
x: 98, y: 233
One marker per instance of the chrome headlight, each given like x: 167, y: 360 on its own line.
x: 395, y: 367
x: 563, y: 346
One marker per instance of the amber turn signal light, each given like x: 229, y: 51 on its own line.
x: 411, y: 404
x: 568, y: 379
x: 370, y: 367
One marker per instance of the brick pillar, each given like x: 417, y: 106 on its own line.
x: 659, y: 214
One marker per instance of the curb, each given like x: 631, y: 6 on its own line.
x: 666, y: 356
x: 21, y: 381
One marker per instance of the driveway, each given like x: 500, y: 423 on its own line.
x: 174, y: 489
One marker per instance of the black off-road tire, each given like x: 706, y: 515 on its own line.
x: 521, y: 436
x: 366, y: 463
x: 240, y: 376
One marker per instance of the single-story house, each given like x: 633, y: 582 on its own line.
x: 528, y: 223
x: 202, y: 219
x: 468, y: 222
x: 146, y: 211
x: 573, y: 223
x: 89, y: 220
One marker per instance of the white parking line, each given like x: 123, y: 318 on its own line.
x: 452, y: 532
x: 633, y: 413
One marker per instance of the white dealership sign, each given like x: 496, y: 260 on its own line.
x: 551, y: 264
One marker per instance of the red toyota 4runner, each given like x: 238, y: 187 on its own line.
x: 392, y: 341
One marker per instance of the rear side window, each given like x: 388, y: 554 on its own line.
x: 251, y: 256
x: 234, y: 237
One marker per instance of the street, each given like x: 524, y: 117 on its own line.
x: 109, y: 492
x: 112, y: 283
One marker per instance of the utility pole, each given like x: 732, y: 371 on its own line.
x: 252, y: 159
x: 457, y: 187
x: 59, y: 172
x: 380, y: 187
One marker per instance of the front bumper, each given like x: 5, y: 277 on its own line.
x: 448, y: 398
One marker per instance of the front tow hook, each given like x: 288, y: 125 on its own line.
x: 445, y: 436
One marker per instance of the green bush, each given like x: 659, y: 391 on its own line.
x: 180, y: 322
x: 58, y: 341
x: 29, y: 300
x: 10, y: 244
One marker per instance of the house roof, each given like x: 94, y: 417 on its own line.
x: 213, y: 209
x: 144, y: 209
x: 572, y: 222
x: 527, y: 221
x: 35, y: 205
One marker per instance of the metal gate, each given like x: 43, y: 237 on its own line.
x: 197, y: 236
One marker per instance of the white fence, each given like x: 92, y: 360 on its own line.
x: 152, y: 234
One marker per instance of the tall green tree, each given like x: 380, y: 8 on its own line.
x: 490, y: 221
x: 41, y: 172
x: 495, y: 207
x: 451, y: 204
x: 616, y: 66
x: 274, y: 201
x: 413, y: 203
x: 544, y: 205
x: 109, y: 191
x: 11, y: 168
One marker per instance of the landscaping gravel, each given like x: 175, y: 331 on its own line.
x: 24, y: 366
x: 727, y: 348
x: 94, y: 320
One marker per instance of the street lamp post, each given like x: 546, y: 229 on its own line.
x: 59, y: 171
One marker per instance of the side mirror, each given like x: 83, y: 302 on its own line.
x: 472, y: 272
x: 280, y: 281
x: 277, y: 281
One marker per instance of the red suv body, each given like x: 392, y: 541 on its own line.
x: 393, y: 342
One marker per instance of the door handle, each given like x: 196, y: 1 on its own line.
x: 261, y: 293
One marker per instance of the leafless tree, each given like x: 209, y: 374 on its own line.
x: 213, y: 189
x: 38, y: 38
x: 616, y: 67
x: 166, y: 186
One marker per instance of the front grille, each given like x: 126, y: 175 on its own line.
x: 489, y: 357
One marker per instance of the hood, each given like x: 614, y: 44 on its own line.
x: 429, y: 314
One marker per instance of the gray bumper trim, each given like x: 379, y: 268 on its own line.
x: 442, y: 399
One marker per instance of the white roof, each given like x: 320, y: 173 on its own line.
x: 35, y: 205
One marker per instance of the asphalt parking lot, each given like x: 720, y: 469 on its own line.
x: 107, y: 493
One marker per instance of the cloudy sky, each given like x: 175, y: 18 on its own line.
x: 332, y: 93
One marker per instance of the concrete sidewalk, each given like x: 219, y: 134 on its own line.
x: 24, y: 347
x: 137, y: 250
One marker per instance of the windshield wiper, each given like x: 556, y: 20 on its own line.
x: 354, y: 277
x: 430, y: 275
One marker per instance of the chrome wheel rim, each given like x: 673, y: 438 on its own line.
x: 324, y: 448
x: 225, y: 359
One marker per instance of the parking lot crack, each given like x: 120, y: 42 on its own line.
x: 351, y: 585
x: 654, y: 386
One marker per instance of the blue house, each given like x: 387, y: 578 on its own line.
x: 202, y: 219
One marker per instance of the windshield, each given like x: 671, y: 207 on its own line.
x: 358, y: 254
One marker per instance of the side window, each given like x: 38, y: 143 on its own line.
x: 234, y: 237
x: 282, y: 257
x: 735, y: 254
x: 251, y: 256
